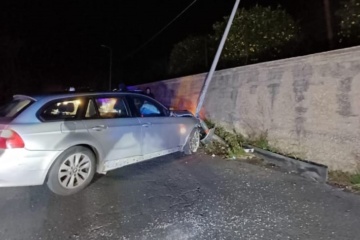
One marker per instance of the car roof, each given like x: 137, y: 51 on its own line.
x: 53, y: 96
x: 44, y: 98
x: 39, y: 100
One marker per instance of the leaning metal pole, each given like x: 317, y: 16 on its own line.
x: 215, y: 61
x: 210, y: 133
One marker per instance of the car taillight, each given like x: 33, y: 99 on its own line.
x: 10, y: 139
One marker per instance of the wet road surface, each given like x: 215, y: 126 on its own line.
x: 177, y: 197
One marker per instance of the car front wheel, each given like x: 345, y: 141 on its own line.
x: 193, y: 142
x: 72, y: 171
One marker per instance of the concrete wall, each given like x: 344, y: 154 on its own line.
x: 309, y: 106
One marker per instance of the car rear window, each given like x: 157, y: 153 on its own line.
x: 61, y: 110
x: 14, y: 107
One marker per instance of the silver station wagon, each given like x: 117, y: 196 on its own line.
x: 64, y: 139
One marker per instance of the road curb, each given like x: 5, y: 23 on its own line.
x: 308, y: 169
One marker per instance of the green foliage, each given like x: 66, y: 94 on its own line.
x: 233, y: 140
x: 261, y: 141
x: 355, y: 179
x: 234, y: 146
x: 188, y: 55
x: 349, y: 16
x: 256, y: 34
x: 345, y: 179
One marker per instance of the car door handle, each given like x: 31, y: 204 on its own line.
x: 99, y: 128
x: 146, y: 125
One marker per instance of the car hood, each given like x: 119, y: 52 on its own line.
x: 182, y: 113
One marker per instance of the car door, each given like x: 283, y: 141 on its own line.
x: 61, y: 126
x: 109, y: 121
x: 160, y: 132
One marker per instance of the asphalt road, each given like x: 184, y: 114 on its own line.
x: 176, y: 197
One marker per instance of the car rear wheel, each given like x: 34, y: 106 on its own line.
x: 72, y: 171
x: 193, y: 142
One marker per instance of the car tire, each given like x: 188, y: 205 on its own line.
x: 193, y: 142
x: 72, y: 171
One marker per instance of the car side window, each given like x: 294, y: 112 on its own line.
x: 61, y: 110
x: 145, y: 107
x: 111, y: 107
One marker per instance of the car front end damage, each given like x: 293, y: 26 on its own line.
x: 207, y: 134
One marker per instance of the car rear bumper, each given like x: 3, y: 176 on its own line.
x: 20, y: 167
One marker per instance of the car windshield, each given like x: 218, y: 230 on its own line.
x: 13, y: 108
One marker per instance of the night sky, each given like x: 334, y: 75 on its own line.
x: 51, y: 43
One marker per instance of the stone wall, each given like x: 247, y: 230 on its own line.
x: 309, y: 106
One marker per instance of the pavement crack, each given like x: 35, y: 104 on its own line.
x: 99, y: 227
x: 190, y: 191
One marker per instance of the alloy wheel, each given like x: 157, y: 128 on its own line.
x: 74, y: 171
x: 195, y: 141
